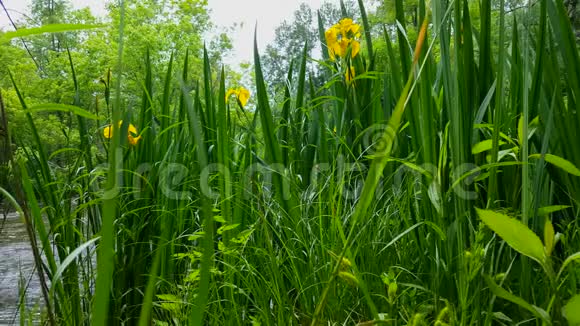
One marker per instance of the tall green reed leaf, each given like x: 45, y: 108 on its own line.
x: 196, y: 316
x: 105, y: 258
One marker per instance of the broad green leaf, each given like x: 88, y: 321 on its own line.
x: 559, y: 162
x: 62, y: 108
x: 517, y: 235
x: 502, y: 293
x: 51, y: 28
x: 572, y: 311
x: 483, y: 146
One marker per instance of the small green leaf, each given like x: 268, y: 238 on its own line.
x: 169, y: 302
x: 168, y: 297
x: 500, y: 315
x: 566, y: 262
x: 434, y: 193
x: 196, y: 235
x: 572, y: 311
x: 219, y: 218
x: 243, y: 236
x: 559, y: 162
x: 192, y: 277
x: 483, y: 146
x: 349, y: 278
x: 502, y: 293
x: 227, y: 228
x: 532, y: 126
x: 547, y: 210
x: 517, y: 235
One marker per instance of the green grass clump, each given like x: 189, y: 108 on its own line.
x: 410, y: 190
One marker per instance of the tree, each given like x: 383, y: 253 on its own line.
x: 290, y: 38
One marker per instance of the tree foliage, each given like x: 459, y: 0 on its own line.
x: 44, y: 72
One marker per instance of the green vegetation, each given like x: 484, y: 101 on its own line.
x: 431, y: 177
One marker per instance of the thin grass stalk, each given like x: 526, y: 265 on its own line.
x: 403, y: 53
x: 298, y: 118
x: 284, y: 134
x: 498, y: 115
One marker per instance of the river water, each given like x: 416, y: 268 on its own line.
x: 16, y: 263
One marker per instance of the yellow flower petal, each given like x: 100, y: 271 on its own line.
x: 343, y: 45
x: 243, y: 96
x: 108, y: 132
x: 132, y: 133
x: 133, y: 140
x: 132, y: 130
x: 230, y: 92
x: 332, y: 51
x: 331, y: 36
x: 354, y: 29
x: 342, y: 35
x: 345, y: 24
x: 355, y: 48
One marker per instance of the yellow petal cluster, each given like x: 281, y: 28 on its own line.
x: 132, y: 134
x: 242, y: 94
x: 341, y: 36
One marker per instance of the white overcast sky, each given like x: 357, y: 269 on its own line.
x: 267, y: 13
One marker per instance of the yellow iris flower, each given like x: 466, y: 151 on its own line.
x: 242, y: 94
x: 341, y: 36
x: 132, y: 134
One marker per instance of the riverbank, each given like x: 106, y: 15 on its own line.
x: 16, y: 261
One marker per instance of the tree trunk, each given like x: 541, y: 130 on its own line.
x: 4, y: 135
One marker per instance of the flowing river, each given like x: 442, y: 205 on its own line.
x: 16, y: 264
